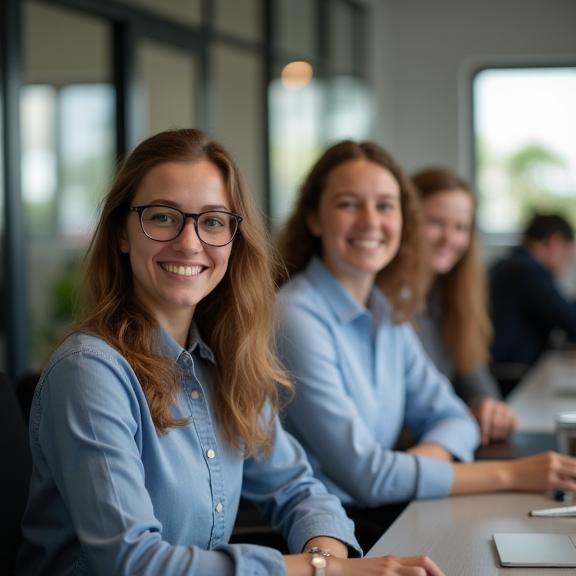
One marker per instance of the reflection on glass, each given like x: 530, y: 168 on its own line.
x: 295, y: 140
x: 68, y: 153
x: 185, y: 11
x: 296, y: 26
x: 524, y: 126
x: 167, y: 90
x: 240, y: 18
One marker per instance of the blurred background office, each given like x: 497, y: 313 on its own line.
x: 487, y: 88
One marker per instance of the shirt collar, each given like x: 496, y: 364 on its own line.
x: 342, y: 303
x: 173, y: 350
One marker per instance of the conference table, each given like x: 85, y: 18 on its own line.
x: 547, y: 389
x: 456, y: 532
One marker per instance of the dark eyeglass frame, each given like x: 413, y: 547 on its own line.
x: 185, y: 215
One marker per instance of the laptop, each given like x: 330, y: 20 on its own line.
x: 539, y: 550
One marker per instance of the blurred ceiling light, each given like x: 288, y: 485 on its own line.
x: 296, y: 75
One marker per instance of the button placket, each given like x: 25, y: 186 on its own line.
x: 208, y: 440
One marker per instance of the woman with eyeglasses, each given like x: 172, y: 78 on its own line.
x: 153, y: 417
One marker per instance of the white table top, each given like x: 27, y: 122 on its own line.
x: 456, y: 532
x: 547, y: 390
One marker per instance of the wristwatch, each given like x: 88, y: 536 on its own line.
x: 319, y: 560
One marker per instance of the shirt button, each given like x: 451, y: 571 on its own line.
x: 219, y: 507
x: 210, y: 453
x: 195, y: 395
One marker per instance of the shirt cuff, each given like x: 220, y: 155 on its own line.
x: 435, y: 478
x: 338, y: 527
x: 461, y: 442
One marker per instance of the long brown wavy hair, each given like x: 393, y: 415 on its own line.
x: 466, y: 327
x: 403, y: 280
x: 235, y: 319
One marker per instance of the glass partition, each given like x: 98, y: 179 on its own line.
x: 241, y: 18
x: 238, y: 105
x: 167, y: 88
x: 342, y: 37
x: 296, y: 26
x: 68, y: 149
x: 296, y: 138
x: 186, y: 11
x: 305, y: 117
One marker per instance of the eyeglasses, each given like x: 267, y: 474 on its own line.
x: 165, y: 223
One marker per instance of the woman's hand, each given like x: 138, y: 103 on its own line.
x: 496, y: 420
x: 385, y: 566
x: 299, y: 565
x: 547, y: 471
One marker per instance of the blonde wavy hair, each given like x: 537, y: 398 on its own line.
x: 466, y: 327
x: 404, y: 279
x: 235, y: 319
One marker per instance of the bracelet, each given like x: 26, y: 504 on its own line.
x: 318, y: 550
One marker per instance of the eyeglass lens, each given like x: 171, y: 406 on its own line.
x: 163, y: 223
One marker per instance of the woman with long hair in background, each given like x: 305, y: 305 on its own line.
x: 455, y: 326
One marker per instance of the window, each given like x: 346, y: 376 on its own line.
x: 68, y: 156
x: 100, y: 76
x: 525, y: 144
x: 318, y: 93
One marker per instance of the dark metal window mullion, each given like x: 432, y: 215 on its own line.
x: 268, y: 24
x: 124, y: 79
x: 16, y: 329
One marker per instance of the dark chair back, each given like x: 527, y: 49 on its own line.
x: 25, y: 388
x: 15, y: 477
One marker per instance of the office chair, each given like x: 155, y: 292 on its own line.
x: 25, y: 387
x: 15, y: 454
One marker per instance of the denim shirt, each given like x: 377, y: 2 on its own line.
x: 111, y: 495
x: 359, y: 380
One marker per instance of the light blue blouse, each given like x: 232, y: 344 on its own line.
x: 359, y: 380
x: 110, y: 495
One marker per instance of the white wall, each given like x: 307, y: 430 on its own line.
x: 425, y: 52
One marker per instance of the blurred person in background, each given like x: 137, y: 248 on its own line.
x: 527, y: 305
x: 454, y: 326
